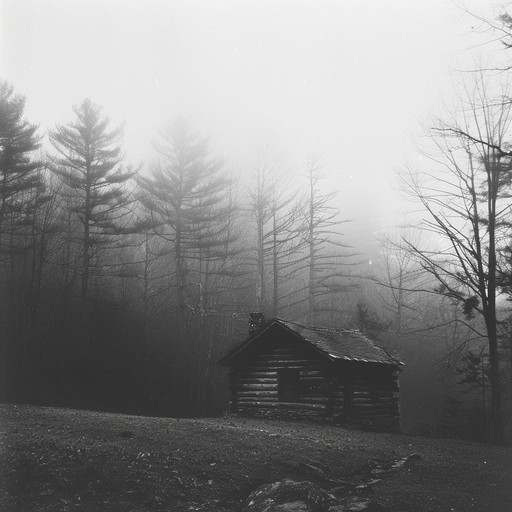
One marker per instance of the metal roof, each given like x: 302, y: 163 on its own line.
x: 335, y: 344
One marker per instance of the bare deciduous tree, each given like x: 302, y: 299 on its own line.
x: 467, y: 200
x: 277, y: 243
x: 327, y: 261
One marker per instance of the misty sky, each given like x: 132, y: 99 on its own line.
x: 352, y: 81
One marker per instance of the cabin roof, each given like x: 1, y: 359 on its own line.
x: 335, y: 344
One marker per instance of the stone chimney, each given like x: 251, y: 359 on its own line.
x: 256, y: 322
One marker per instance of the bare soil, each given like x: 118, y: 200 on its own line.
x: 55, y: 459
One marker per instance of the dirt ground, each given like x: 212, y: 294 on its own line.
x: 55, y: 459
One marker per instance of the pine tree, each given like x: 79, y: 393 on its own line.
x: 88, y: 162
x: 19, y: 174
x: 186, y: 197
x: 189, y: 204
x: 20, y: 180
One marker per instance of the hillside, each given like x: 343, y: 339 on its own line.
x: 61, y: 460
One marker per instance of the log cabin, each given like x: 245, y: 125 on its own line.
x: 285, y: 370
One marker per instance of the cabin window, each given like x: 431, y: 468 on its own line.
x: 289, y: 385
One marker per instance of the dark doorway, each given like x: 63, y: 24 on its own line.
x: 348, y: 404
x: 289, y: 387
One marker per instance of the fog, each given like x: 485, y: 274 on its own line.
x: 129, y: 268
x: 352, y: 82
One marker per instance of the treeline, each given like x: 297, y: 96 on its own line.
x: 121, y: 286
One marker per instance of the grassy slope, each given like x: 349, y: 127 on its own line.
x: 61, y: 459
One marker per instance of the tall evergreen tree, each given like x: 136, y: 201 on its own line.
x: 186, y: 196
x: 18, y: 169
x: 19, y: 180
x: 89, y: 163
x: 190, y: 208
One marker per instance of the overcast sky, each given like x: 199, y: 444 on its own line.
x: 352, y: 81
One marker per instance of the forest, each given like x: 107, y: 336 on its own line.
x: 122, y: 284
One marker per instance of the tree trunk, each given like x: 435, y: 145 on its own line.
x: 275, y: 297
x: 311, y: 242
x: 494, y: 377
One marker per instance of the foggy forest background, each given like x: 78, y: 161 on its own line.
x: 122, y: 284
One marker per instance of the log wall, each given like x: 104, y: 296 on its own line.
x: 360, y: 394
x: 373, y: 406
x: 255, y: 384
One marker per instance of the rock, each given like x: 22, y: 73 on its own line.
x: 369, y: 483
x: 413, y: 459
x: 358, y: 504
x: 289, y: 495
x: 343, y: 488
x: 305, y: 496
x: 296, y: 506
x: 317, y: 470
x: 410, y: 460
x: 337, y: 508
